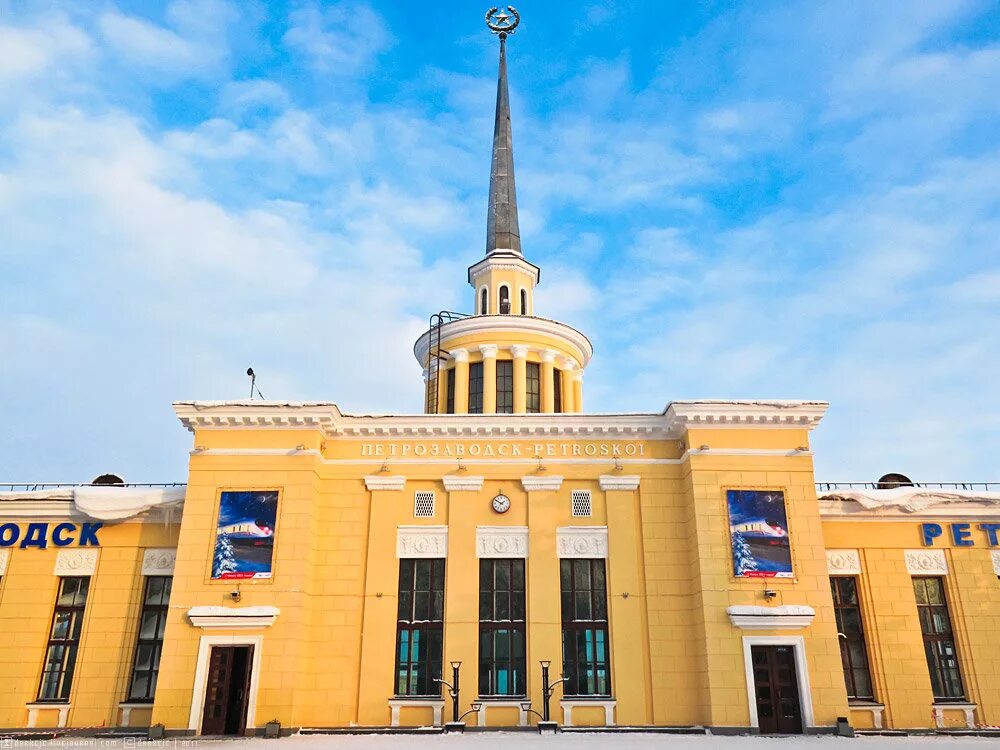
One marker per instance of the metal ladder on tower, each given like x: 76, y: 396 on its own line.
x: 436, y: 356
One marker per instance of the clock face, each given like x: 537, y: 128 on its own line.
x: 501, y: 503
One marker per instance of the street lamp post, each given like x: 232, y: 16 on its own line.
x: 456, y: 724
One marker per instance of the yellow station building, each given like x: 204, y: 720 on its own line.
x: 676, y: 569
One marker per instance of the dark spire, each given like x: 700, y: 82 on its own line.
x: 502, y: 232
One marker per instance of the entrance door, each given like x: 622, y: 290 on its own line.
x: 777, y: 690
x: 226, y: 690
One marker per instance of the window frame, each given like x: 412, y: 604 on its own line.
x: 936, y: 670
x: 524, y: 301
x: 407, y: 597
x: 557, y: 406
x: 840, y: 608
x: 155, y: 643
x: 514, y: 666
x: 449, y: 391
x: 505, y: 386
x: 533, y: 387
x: 597, y: 626
x: 503, y: 295
x: 70, y: 645
x: 476, y: 389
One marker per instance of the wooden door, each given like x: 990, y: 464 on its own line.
x: 777, y: 690
x: 226, y: 690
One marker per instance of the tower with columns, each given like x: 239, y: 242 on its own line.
x: 503, y: 358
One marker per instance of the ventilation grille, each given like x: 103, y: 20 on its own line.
x: 581, y: 502
x: 423, y: 505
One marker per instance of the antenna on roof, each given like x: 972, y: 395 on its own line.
x: 253, y: 384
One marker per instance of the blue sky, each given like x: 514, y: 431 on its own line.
x: 733, y: 200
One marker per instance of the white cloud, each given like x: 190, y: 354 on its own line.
x: 29, y: 51
x: 339, y: 38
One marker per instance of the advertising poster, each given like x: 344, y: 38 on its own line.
x: 244, y: 538
x: 758, y: 529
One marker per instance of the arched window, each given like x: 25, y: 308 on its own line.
x: 504, y: 300
x: 483, y: 302
x: 524, y: 302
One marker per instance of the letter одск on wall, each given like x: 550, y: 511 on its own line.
x: 244, y: 537
x: 758, y: 529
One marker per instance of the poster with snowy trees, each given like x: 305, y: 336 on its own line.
x: 244, y: 536
x: 758, y: 530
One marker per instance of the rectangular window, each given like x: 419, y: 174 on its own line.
x: 419, y: 626
x: 450, y: 390
x: 505, y: 386
x: 476, y: 388
x: 534, y: 382
x: 851, y: 634
x: 152, y: 621
x: 557, y: 387
x: 581, y: 504
x: 423, y: 505
x: 939, y: 642
x: 584, y: 627
x: 64, y: 639
x: 501, y: 628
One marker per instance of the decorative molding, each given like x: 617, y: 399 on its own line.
x: 925, y: 562
x: 519, y: 351
x: 784, y: 617
x: 158, y: 562
x: 801, y: 671
x: 489, y: 351
x: 995, y: 554
x: 421, y: 541
x: 4, y: 559
x: 34, y: 708
x: 968, y: 709
x: 877, y: 709
x: 567, y: 707
x: 535, y: 483
x: 548, y: 355
x: 619, y: 482
x: 502, y: 541
x: 233, y: 617
x: 460, y: 354
x: 76, y: 562
x: 507, y: 261
x: 485, y: 705
x: 380, y: 483
x: 582, y: 541
x: 205, y: 644
x: 801, y: 414
x: 844, y: 562
x: 457, y: 483
x: 567, y: 364
x: 435, y: 704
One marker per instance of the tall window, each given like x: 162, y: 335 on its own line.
x: 476, y: 388
x: 450, y: 391
x: 939, y: 642
x: 64, y: 639
x: 524, y: 302
x: 534, y: 381
x: 851, y: 635
x: 585, y: 627
x: 557, y: 391
x: 501, y: 627
x: 152, y: 621
x: 504, y: 300
x: 505, y: 386
x: 483, y: 302
x: 419, y: 626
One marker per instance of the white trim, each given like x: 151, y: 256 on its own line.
x: 127, y: 708
x: 234, y: 618
x: 519, y: 351
x: 76, y: 562
x: 479, y: 302
x: 527, y: 299
x: 619, y: 481
x: 4, y: 559
x: 484, y: 705
x: 456, y: 483
x: 801, y: 674
x: 877, y: 709
x: 784, y: 617
x: 159, y: 562
x: 995, y: 555
x: 533, y: 483
x: 568, y: 706
x: 969, y: 709
x: 548, y: 355
x: 489, y: 351
x: 459, y: 354
x: 504, y: 285
x: 379, y: 483
x: 201, y: 675
x: 843, y: 562
x: 34, y: 708
x: 421, y: 541
x: 395, y: 704
x: 582, y: 542
x: 505, y: 263
x: 502, y: 541
x: 923, y: 562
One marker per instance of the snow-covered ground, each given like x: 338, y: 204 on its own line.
x: 527, y: 741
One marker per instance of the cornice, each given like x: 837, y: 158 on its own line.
x: 233, y: 617
x: 619, y: 482
x: 503, y: 262
x: 784, y: 617
x: 509, y: 326
x: 245, y: 413
x: 534, y: 483
x: 749, y: 413
x: 380, y: 483
x: 456, y: 483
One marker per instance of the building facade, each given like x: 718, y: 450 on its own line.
x: 327, y: 570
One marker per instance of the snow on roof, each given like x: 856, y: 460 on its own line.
x: 911, y: 499
x: 106, y: 502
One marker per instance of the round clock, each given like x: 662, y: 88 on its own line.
x: 501, y: 503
